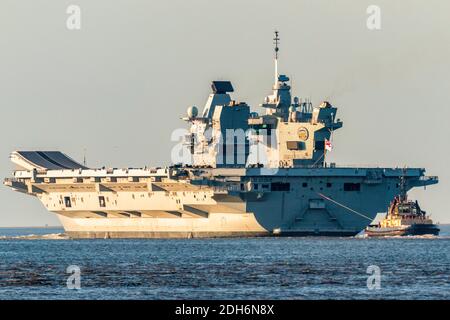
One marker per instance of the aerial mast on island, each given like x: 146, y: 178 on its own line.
x: 276, y: 41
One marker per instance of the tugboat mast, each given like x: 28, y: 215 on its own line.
x: 403, y: 185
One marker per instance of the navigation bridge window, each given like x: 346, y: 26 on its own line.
x: 67, y: 202
x: 101, y: 201
x: 280, y: 186
x: 295, y: 145
x: 348, y: 186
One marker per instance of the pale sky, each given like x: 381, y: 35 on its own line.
x: 118, y: 86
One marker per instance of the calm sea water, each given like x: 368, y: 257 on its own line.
x: 34, y: 267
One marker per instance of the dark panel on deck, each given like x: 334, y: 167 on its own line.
x: 38, y: 161
x: 63, y: 160
x: 51, y: 160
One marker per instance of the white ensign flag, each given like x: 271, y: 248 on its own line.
x: 328, y: 145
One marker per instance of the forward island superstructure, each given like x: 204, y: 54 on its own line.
x: 240, y: 174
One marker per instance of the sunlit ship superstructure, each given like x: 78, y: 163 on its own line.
x: 268, y: 177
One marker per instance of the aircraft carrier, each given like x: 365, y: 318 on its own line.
x: 240, y: 174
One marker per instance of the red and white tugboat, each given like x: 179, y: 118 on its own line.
x: 404, y: 218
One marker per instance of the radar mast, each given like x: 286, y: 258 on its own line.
x: 276, y: 41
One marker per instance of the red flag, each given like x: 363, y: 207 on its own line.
x: 328, y: 145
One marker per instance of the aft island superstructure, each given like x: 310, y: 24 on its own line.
x: 240, y: 174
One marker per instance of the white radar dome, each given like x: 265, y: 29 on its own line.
x: 192, y: 112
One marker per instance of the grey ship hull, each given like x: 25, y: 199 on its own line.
x: 301, y: 211
x: 193, y: 202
